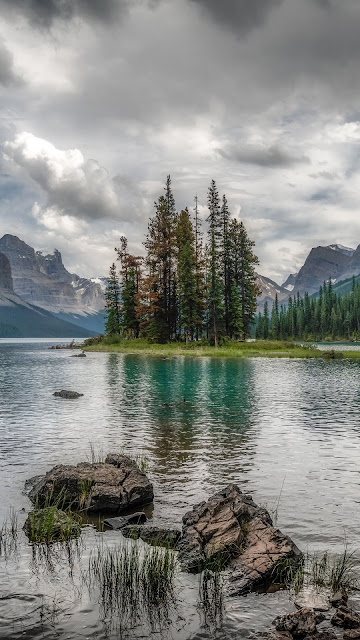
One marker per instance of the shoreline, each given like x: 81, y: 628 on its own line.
x: 258, y: 349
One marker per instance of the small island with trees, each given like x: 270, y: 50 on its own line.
x: 198, y: 296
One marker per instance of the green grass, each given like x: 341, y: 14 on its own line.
x: 257, y: 349
x: 9, y: 535
x: 322, y: 571
x: 135, y: 583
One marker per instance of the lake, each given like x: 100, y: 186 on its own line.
x: 286, y: 431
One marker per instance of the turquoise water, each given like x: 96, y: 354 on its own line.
x: 286, y: 431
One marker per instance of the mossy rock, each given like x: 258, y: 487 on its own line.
x: 52, y: 525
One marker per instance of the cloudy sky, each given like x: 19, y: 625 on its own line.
x: 101, y: 99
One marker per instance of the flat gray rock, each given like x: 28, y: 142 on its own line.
x: 119, y: 523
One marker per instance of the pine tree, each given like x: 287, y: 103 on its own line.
x: 235, y: 312
x: 200, y: 304
x: 160, y: 261
x: 225, y: 256
x: 215, y: 285
x: 186, y: 274
x: 130, y: 279
x: 242, y: 271
x: 112, y: 303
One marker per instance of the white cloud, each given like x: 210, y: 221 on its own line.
x: 74, y: 186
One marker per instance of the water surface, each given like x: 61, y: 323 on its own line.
x: 286, y: 431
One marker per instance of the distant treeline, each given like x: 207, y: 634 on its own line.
x: 325, y: 316
x: 185, y: 288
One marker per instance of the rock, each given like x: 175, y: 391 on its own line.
x: 346, y: 618
x: 352, y: 634
x: 79, y: 355
x: 231, y: 529
x: 338, y: 598
x: 157, y: 536
x: 96, y: 487
x: 119, y: 523
x: 324, y: 634
x: 279, y: 635
x: 68, y: 395
x: 51, y: 524
x: 299, y: 623
x: 312, y: 598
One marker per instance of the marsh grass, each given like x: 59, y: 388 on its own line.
x: 211, y: 597
x: 96, y: 454
x: 324, y: 571
x: 52, y: 521
x: 135, y: 584
x: 9, y: 535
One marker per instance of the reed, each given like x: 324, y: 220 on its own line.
x: 9, y: 535
x: 135, y: 583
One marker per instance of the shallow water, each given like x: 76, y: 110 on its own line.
x: 286, y: 431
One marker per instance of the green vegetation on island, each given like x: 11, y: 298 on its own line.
x: 327, y: 316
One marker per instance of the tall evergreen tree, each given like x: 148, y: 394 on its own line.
x: 186, y: 274
x: 215, y: 285
x: 200, y: 304
x: 112, y: 303
x: 226, y: 268
x: 160, y: 260
x: 242, y: 271
x: 130, y: 280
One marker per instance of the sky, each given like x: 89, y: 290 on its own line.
x: 101, y: 99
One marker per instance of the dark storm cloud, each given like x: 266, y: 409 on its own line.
x: 44, y: 12
x: 272, y: 157
x: 239, y: 15
x: 8, y: 77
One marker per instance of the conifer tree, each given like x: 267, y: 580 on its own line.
x: 112, y: 303
x: 242, y: 271
x: 160, y: 261
x: 130, y: 279
x: 226, y: 269
x: 186, y: 274
x: 215, y: 286
x: 200, y: 304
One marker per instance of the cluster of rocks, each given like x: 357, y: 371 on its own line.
x: 228, y: 531
x: 303, y: 624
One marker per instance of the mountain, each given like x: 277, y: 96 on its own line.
x: 20, y: 319
x: 290, y: 282
x: 269, y: 289
x: 43, y: 281
x: 339, y: 247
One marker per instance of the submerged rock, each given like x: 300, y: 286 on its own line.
x: 299, y: 623
x: 116, y: 485
x: 79, y: 355
x: 68, y: 395
x: 230, y: 529
x: 119, y: 523
x: 157, y: 536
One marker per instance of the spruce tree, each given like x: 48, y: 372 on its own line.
x: 242, y: 271
x: 130, y: 279
x: 186, y: 274
x: 200, y: 303
x: 112, y: 303
x: 215, y: 314
x: 226, y: 269
x: 160, y: 262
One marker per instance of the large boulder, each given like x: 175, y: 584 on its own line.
x: 115, y: 486
x: 231, y: 530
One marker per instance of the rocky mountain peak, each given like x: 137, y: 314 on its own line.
x: 6, y: 281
